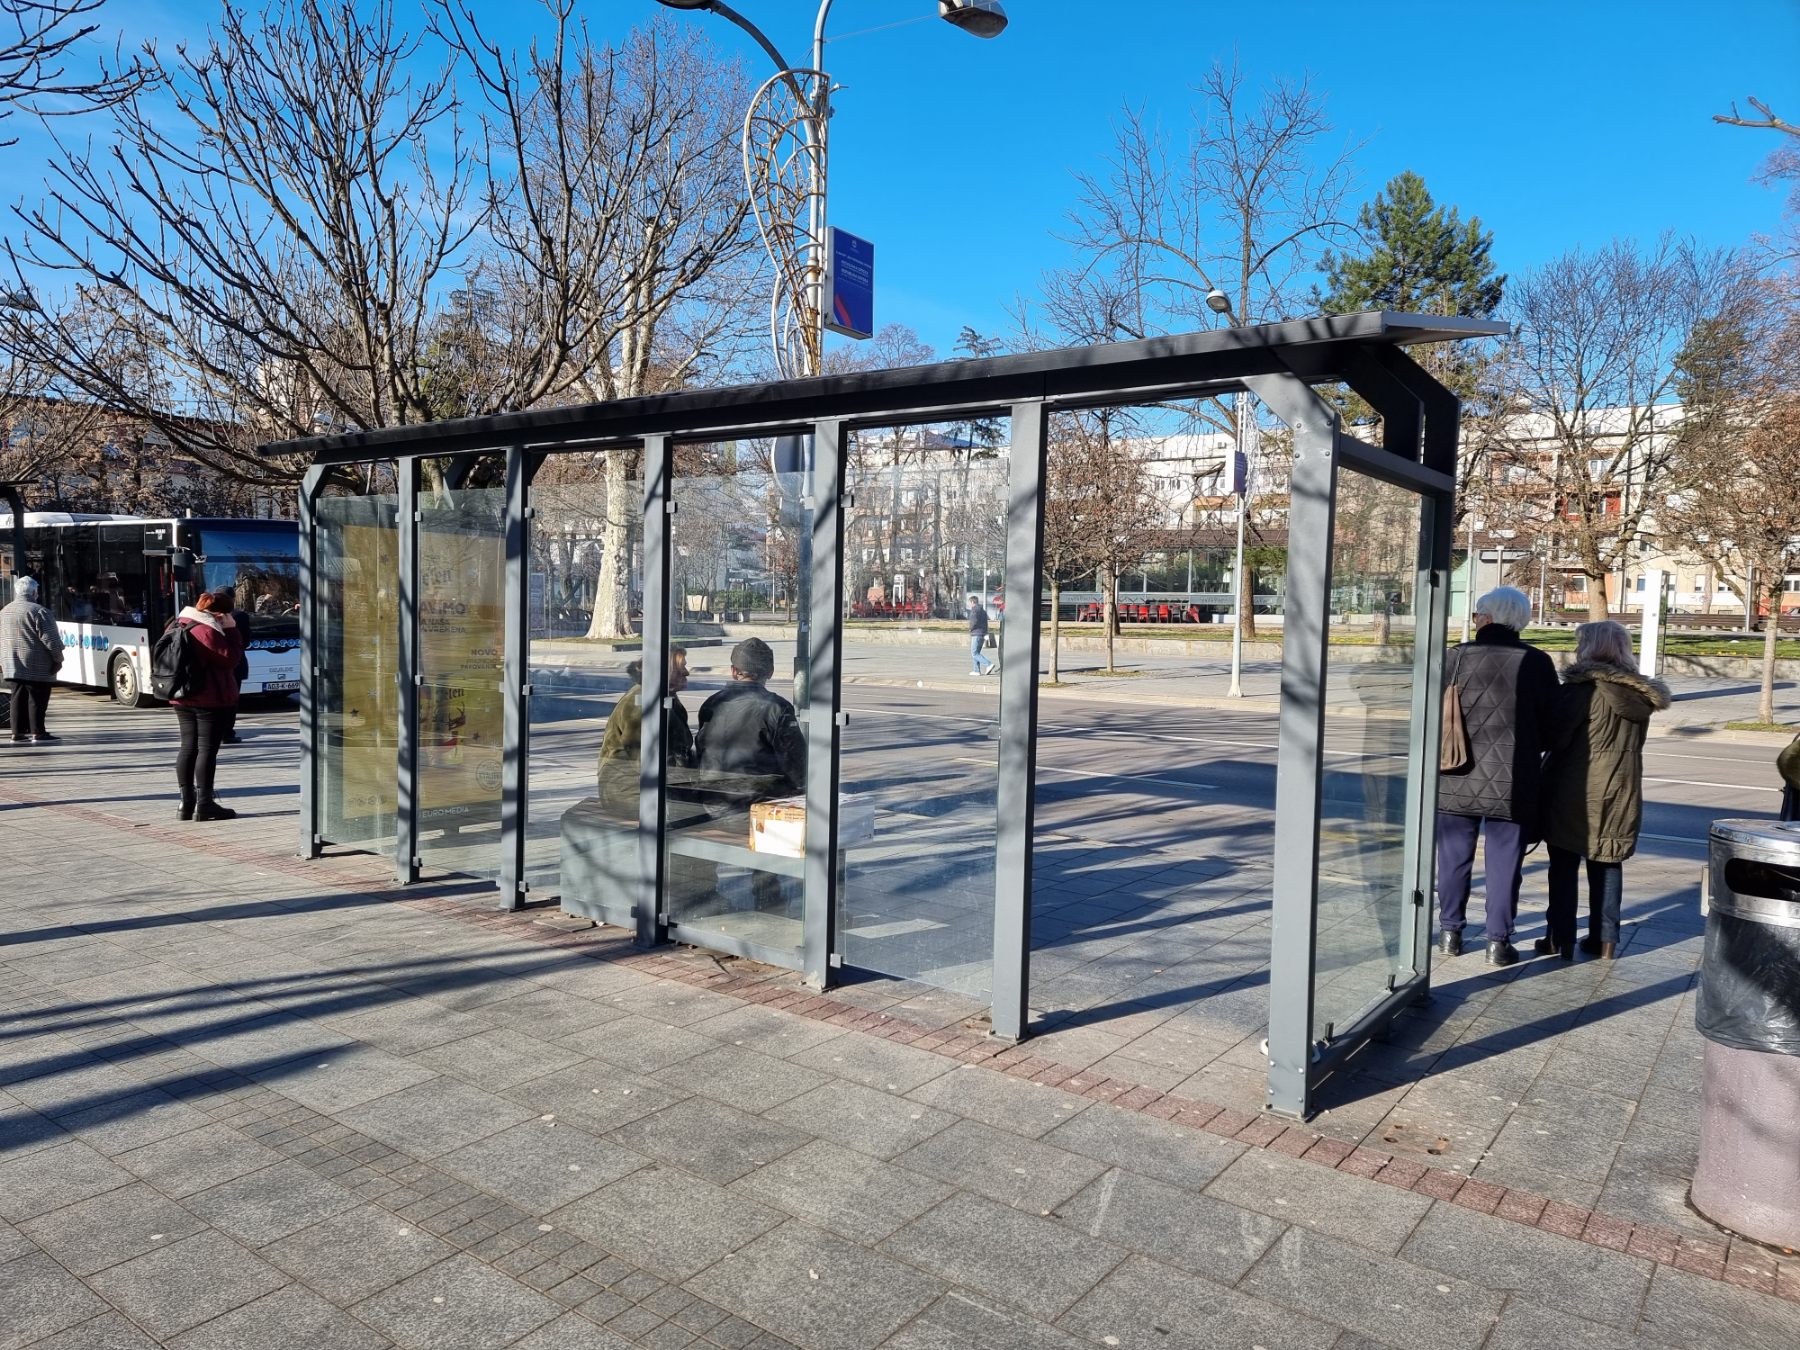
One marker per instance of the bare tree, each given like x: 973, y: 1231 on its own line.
x: 36, y: 39
x: 1251, y: 202
x: 327, y: 232
x: 642, y: 156
x: 1587, y: 440
x: 1782, y: 166
x: 1736, y: 501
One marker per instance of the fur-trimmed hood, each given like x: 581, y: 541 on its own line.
x: 1632, y: 696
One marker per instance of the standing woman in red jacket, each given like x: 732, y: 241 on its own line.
x: 205, y: 708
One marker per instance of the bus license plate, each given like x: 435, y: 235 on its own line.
x: 280, y: 686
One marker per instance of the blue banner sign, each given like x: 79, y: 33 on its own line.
x: 849, y: 284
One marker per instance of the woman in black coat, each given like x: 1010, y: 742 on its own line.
x: 1506, y: 689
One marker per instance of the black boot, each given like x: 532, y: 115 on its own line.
x: 211, y: 810
x: 1450, y: 942
x: 187, y: 808
x: 1502, y: 953
x: 1564, y: 951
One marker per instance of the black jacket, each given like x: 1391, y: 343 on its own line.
x: 1507, y: 692
x: 749, y: 746
x: 978, y: 621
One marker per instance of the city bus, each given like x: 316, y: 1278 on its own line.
x: 114, y: 582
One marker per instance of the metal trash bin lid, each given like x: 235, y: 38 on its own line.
x: 1772, y: 842
x: 1780, y: 837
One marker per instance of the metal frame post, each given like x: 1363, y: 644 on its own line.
x: 821, y: 715
x: 1437, y: 451
x: 651, y: 908
x: 311, y: 837
x: 1016, y: 796
x: 410, y: 677
x: 515, y: 687
x: 1293, y: 937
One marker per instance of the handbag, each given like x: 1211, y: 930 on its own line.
x: 1453, y: 743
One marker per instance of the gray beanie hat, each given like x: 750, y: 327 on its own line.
x: 24, y: 588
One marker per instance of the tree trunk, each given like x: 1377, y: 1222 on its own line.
x: 1597, y: 597
x: 1246, y: 602
x: 1112, y: 615
x: 1765, y: 701
x: 1055, y: 623
x: 612, y: 595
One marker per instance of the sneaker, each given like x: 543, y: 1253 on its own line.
x: 45, y: 738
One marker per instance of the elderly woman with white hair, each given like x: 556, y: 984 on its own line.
x: 1594, y: 784
x: 31, y: 653
x: 1506, y: 690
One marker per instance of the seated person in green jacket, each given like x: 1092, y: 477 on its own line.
x: 621, y: 745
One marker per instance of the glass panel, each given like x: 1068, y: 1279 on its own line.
x: 586, y: 543
x: 924, y: 569
x: 357, y: 640
x: 735, y: 751
x: 462, y: 633
x: 1364, y: 861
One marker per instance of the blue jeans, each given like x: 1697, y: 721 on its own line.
x: 1456, y: 862
x: 1606, y: 890
x: 982, y: 664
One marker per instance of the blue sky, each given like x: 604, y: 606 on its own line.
x: 1557, y: 123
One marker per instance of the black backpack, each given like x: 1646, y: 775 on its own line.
x: 174, y: 664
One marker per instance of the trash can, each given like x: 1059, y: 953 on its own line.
x: 1748, y: 1009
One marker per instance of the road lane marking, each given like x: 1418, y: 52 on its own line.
x: 1119, y: 777
x: 1728, y: 787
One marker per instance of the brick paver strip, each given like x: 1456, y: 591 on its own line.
x: 1402, y: 1173
x: 1436, y: 1183
x: 1523, y: 1207
x: 1737, y: 1263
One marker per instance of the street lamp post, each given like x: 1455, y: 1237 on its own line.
x: 780, y: 202
x: 787, y: 188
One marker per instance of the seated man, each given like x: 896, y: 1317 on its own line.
x: 749, y: 748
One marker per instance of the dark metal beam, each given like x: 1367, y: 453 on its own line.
x: 1116, y: 372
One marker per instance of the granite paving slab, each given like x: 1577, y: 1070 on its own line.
x: 457, y: 1304
x: 1143, y: 1304
x: 851, y: 1193
x: 1035, y: 1264
x: 356, y: 1254
x: 667, y: 1221
x: 816, y: 1290
x: 39, y: 1298
x: 186, y: 1283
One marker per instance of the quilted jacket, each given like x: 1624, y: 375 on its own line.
x: 1507, y: 690
x: 1594, y: 778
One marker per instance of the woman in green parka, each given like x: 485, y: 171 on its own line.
x: 1593, y: 797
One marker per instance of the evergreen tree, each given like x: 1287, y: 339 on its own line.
x: 1422, y: 259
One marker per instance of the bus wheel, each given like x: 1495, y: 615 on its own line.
x: 126, y: 690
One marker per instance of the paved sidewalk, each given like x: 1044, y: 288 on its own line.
x: 248, y: 1101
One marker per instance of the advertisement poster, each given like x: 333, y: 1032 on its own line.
x: 359, y: 696
x: 462, y: 629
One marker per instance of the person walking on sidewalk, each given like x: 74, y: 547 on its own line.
x: 1593, y: 801
x: 31, y: 652
x: 978, y: 635
x: 1506, y: 689
x: 205, y: 705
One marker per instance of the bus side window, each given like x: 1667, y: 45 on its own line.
x: 124, y: 572
x: 80, y: 548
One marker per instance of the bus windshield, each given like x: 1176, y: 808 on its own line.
x: 261, y: 563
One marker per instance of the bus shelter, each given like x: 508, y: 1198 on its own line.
x: 446, y: 719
